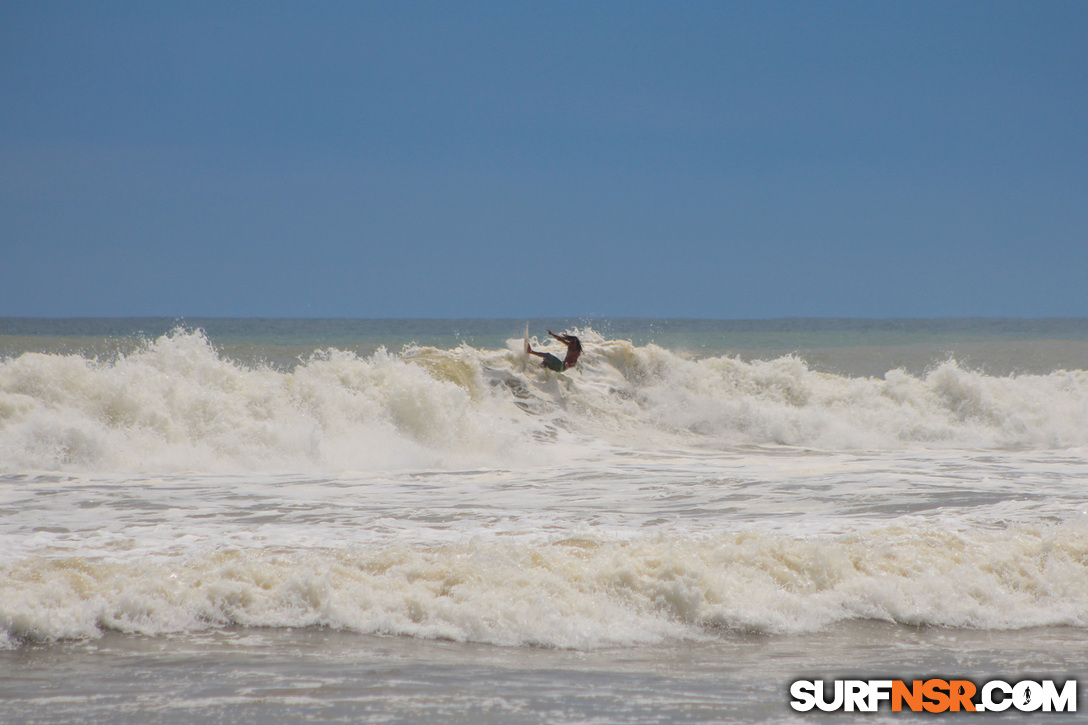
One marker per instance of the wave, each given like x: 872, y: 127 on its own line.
x: 578, y: 593
x: 177, y: 404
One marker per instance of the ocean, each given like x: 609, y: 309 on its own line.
x: 385, y: 521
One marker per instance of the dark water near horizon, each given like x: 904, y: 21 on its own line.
x: 850, y: 346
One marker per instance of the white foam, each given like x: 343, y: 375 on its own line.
x: 577, y: 593
x: 177, y: 405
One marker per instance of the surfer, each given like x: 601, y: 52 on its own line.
x: 574, y: 349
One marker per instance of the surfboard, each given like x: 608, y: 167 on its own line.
x: 525, y: 350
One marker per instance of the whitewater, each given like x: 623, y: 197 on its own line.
x: 735, y: 516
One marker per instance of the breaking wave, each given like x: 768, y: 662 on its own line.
x: 574, y: 593
x: 177, y: 404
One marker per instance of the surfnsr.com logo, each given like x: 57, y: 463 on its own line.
x: 934, y: 695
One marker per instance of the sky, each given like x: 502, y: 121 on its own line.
x: 720, y: 160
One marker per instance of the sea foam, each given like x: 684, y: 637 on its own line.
x: 573, y: 592
x: 176, y: 404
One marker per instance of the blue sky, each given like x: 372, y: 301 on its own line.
x: 542, y: 159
